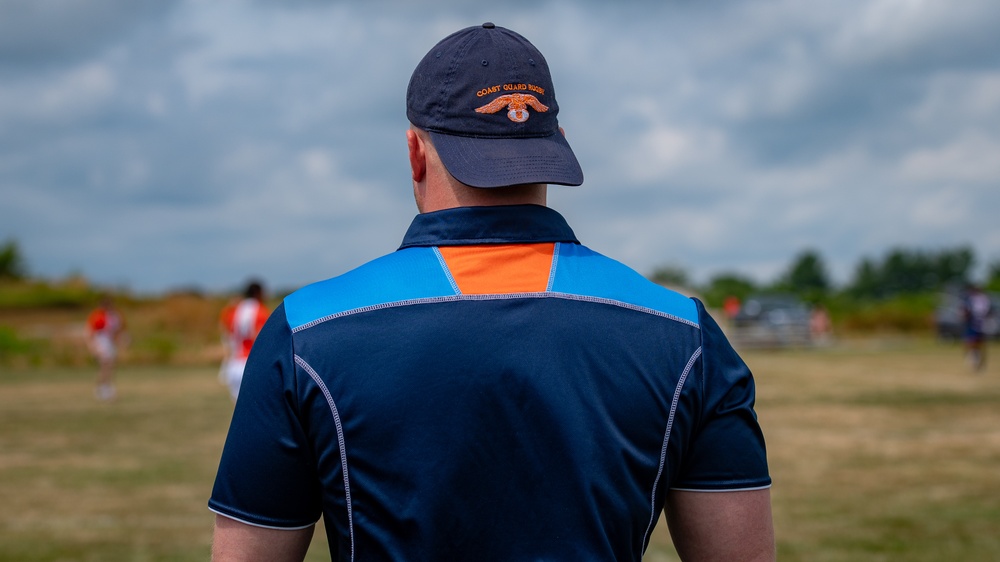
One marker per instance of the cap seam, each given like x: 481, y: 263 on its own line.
x: 460, y: 53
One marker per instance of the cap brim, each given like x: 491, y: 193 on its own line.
x: 491, y: 162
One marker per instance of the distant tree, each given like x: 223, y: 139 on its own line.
x: 670, y: 275
x: 993, y: 276
x: 727, y: 285
x: 954, y: 266
x: 806, y: 276
x: 12, y: 264
x: 867, y: 283
x: 904, y: 271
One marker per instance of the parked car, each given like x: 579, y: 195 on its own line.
x: 949, y: 320
x: 772, y: 321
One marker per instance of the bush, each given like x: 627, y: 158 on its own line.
x: 909, y: 314
x: 10, y: 344
x: 17, y: 351
x: 41, y: 294
x: 159, y: 349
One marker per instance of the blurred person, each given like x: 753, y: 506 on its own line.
x: 492, y: 390
x: 820, y: 325
x: 976, y: 309
x: 731, y: 307
x: 241, y: 322
x: 105, y: 330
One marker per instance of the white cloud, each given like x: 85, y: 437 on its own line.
x: 945, y: 208
x: 962, y: 98
x: 82, y: 87
x: 898, y: 30
x: 973, y: 158
x: 662, y: 150
x: 58, y: 96
x: 134, y: 173
x: 317, y: 164
x: 156, y: 105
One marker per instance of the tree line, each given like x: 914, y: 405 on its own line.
x: 900, y: 273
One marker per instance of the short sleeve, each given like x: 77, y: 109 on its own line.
x: 726, y: 450
x: 267, y: 474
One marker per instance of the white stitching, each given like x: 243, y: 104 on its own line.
x: 552, y: 268
x: 446, y: 270
x: 666, y: 439
x: 340, y: 442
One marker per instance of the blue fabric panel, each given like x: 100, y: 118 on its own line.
x: 582, y: 271
x: 407, y: 274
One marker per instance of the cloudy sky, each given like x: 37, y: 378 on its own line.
x: 163, y: 144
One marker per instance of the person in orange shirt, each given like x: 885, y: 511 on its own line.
x: 241, y: 322
x: 105, y: 327
x: 731, y: 307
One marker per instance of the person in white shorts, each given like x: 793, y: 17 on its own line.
x: 105, y: 328
x: 241, y: 322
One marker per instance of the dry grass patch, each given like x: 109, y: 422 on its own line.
x: 879, y: 451
x: 82, y: 480
x: 882, y: 453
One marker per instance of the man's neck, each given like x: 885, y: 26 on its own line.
x: 451, y: 196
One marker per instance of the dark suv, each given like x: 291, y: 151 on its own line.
x: 772, y: 321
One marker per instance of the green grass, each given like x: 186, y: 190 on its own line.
x: 879, y: 451
x: 882, y: 453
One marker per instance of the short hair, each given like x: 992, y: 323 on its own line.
x: 254, y: 290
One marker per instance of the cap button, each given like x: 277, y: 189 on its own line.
x: 488, y: 25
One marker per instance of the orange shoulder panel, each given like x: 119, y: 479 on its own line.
x: 501, y: 268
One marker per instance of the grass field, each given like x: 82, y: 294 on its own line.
x: 880, y: 450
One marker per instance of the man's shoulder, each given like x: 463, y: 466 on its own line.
x: 406, y: 274
x: 585, y: 272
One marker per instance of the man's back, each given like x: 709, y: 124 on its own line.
x: 538, y: 423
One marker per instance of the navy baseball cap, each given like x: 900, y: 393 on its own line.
x: 485, y: 95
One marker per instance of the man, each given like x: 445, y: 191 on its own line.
x: 241, y: 322
x: 105, y: 328
x: 493, y: 390
x: 976, y: 310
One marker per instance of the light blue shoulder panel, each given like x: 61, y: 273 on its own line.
x: 404, y: 275
x: 583, y: 272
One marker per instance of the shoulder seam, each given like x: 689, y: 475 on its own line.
x: 500, y: 296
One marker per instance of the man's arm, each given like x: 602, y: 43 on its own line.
x: 238, y: 542
x: 723, y: 526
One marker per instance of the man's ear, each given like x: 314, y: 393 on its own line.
x: 418, y: 155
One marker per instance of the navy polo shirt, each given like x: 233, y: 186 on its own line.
x: 492, y: 390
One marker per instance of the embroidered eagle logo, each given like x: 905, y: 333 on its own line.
x: 517, y: 105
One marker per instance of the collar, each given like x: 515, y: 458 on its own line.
x: 513, y: 224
